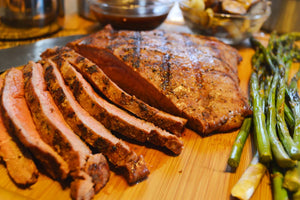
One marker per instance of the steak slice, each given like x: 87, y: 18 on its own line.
x: 112, y: 117
x: 90, y: 130
x: 186, y: 75
x: 110, y: 90
x: 18, y: 161
x: 19, y: 121
x: 55, y: 131
x: 95, y: 171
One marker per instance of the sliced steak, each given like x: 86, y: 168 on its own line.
x: 56, y: 132
x: 91, y: 179
x: 112, y: 117
x: 90, y: 130
x: 18, y: 161
x: 186, y: 75
x: 101, y: 82
x: 19, y: 121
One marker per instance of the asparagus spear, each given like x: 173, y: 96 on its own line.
x: 238, y: 145
x: 283, y: 131
x: 281, y: 157
x: 261, y: 135
x: 279, y: 192
x: 276, y: 57
x: 294, y: 35
x: 292, y: 179
x: 293, y: 94
x: 296, y: 195
x: 292, y: 90
x: 292, y: 176
x: 250, y: 179
x: 265, y: 53
x: 295, y: 54
x: 289, y: 117
x: 294, y: 102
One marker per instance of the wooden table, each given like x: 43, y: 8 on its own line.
x: 199, y: 172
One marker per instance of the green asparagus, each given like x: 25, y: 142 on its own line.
x: 296, y: 195
x: 289, y: 117
x: 294, y: 102
x: 238, y: 145
x: 292, y: 179
x: 275, y: 61
x: 281, y: 157
x: 283, y: 131
x: 279, y: 192
x: 261, y: 135
x: 265, y: 53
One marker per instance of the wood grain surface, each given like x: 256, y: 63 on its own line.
x: 199, y: 172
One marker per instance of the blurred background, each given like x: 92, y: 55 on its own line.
x: 25, y: 21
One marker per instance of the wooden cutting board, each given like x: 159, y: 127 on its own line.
x: 199, y: 172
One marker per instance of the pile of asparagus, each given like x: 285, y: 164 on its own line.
x: 275, y: 122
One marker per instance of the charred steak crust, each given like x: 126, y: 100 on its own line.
x: 90, y: 130
x: 175, y: 72
x: 100, y: 81
x: 112, y: 117
x: 49, y: 133
x: 17, y: 158
x: 19, y: 121
x: 59, y: 135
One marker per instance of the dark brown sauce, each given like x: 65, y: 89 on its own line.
x: 131, y: 23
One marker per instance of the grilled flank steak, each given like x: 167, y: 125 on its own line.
x: 112, y: 117
x: 110, y: 90
x: 18, y: 160
x: 90, y: 130
x: 19, y: 120
x: 56, y: 132
x: 191, y: 76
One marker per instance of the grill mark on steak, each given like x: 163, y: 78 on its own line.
x: 208, y: 56
x: 19, y: 121
x: 18, y: 161
x: 56, y: 132
x: 165, y: 72
x: 199, y: 68
x: 132, y: 53
x: 136, y: 53
x: 90, y: 130
x: 100, y: 81
x: 114, y: 118
x: 224, y: 106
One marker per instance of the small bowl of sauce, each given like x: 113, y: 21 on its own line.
x: 131, y: 14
